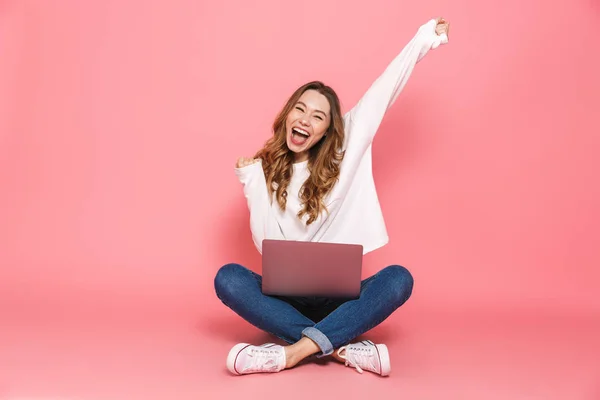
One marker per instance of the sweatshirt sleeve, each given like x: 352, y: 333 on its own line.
x: 262, y: 223
x: 363, y: 120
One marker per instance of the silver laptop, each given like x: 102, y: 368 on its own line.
x: 307, y: 269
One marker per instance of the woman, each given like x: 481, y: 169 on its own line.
x: 312, y: 181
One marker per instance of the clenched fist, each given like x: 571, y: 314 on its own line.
x: 442, y: 26
x: 244, y: 162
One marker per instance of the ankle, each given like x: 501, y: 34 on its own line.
x: 291, y: 357
x: 337, y: 356
x: 298, y: 351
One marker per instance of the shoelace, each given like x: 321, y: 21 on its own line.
x: 262, y: 361
x: 355, y: 359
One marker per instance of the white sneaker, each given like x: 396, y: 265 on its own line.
x: 367, y: 355
x: 244, y: 358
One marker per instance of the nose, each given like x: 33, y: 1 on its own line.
x: 304, y: 122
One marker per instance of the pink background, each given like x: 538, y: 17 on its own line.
x: 120, y: 123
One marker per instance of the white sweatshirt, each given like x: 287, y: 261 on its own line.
x: 354, y: 215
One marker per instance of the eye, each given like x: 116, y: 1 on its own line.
x: 299, y: 108
x: 319, y: 117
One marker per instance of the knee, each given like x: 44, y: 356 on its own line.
x: 228, y: 280
x: 400, y: 283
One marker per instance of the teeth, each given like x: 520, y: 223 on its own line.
x: 300, y: 131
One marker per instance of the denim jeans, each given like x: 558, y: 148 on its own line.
x: 329, y: 323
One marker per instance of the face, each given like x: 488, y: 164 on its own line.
x: 307, y: 123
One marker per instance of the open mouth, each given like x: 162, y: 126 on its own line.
x: 299, y: 136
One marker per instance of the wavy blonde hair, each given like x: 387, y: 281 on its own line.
x: 323, y: 162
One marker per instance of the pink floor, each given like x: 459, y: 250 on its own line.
x: 435, y: 355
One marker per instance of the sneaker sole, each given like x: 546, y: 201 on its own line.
x: 384, y: 359
x: 232, y: 357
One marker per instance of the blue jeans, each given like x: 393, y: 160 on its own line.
x: 329, y: 323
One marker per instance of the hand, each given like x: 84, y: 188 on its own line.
x: 442, y: 26
x: 244, y: 162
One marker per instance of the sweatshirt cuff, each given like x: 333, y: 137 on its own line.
x: 248, y: 171
x: 430, y: 39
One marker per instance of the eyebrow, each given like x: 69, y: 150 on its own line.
x: 319, y: 111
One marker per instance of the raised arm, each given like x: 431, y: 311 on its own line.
x: 364, y: 119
